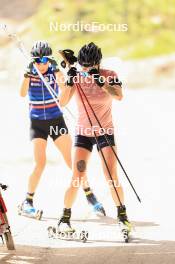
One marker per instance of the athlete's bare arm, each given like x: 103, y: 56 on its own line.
x: 66, y: 91
x: 24, y: 87
x: 114, y: 90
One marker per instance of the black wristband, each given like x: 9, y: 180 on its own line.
x: 98, y: 79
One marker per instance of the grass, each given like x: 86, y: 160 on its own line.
x: 150, y: 25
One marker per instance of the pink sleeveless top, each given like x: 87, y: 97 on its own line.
x: 101, y: 103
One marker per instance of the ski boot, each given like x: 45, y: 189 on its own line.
x: 64, y: 230
x: 64, y: 225
x: 123, y: 222
x: 27, y: 209
x: 97, y: 206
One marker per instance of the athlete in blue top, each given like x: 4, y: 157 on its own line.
x: 46, y: 120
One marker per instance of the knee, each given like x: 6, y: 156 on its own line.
x: 81, y: 167
x: 78, y: 174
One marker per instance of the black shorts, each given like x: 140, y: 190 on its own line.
x: 89, y: 142
x: 44, y: 128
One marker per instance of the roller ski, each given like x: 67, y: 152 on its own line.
x: 28, y: 210
x: 64, y: 231
x: 97, y: 206
x: 124, y: 224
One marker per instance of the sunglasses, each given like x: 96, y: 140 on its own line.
x: 43, y: 60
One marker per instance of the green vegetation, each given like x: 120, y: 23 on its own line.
x: 150, y: 25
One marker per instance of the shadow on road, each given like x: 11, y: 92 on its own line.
x: 107, y: 220
x: 157, y: 252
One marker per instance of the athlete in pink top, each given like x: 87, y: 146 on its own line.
x: 101, y: 103
x: 100, y: 87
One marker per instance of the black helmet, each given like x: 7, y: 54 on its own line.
x: 41, y: 49
x: 89, y: 55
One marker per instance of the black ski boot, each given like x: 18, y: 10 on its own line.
x: 64, y: 225
x: 124, y: 223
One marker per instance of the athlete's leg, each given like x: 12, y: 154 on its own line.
x: 79, y: 175
x: 112, y: 165
x: 64, y: 145
x: 40, y: 161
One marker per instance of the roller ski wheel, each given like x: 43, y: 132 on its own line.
x: 125, y: 231
x: 125, y: 234
x: 29, y: 211
x: 71, y: 234
x: 39, y: 215
x: 84, y: 236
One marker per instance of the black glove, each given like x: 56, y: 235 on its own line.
x: 115, y: 81
x: 54, y: 65
x: 98, y: 79
x: 69, y: 55
x: 72, y: 72
x: 30, y: 71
